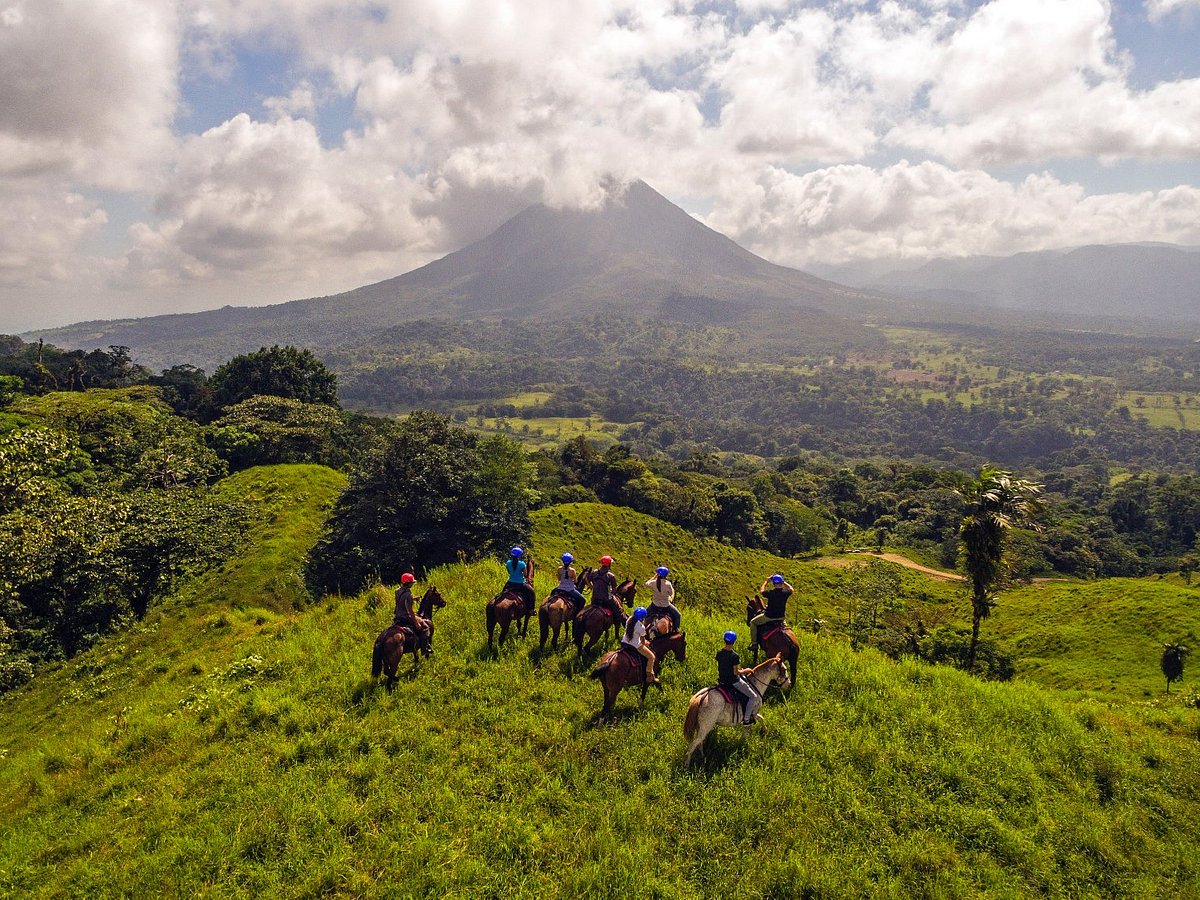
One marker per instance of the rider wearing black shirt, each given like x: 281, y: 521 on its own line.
x: 731, y: 676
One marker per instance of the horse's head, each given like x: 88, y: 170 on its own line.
x: 627, y: 591
x: 779, y: 672
x: 754, y: 606
x: 432, y: 600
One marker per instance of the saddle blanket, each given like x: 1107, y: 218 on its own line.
x: 768, y: 630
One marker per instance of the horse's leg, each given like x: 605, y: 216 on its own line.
x: 610, y: 696
x: 642, y: 701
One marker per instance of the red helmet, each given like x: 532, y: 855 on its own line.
x: 606, y: 560
x: 407, y: 578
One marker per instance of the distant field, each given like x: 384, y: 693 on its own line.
x: 1160, y: 410
x: 547, y: 431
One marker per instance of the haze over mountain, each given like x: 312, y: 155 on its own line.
x: 638, y: 255
x: 1142, y: 282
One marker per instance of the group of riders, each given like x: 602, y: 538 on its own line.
x: 774, y: 590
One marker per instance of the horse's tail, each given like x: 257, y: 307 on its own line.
x: 491, y: 617
x: 691, y: 722
x: 544, y: 622
x: 377, y: 657
x: 577, y: 630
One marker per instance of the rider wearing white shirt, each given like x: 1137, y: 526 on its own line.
x: 634, y: 636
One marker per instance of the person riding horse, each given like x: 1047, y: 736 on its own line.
x: 567, y: 585
x: 731, y: 676
x: 662, y: 595
x: 776, y: 598
x: 519, y: 573
x: 603, y: 582
x: 406, y: 616
x: 634, y: 637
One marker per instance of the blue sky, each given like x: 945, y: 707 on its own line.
x: 162, y: 155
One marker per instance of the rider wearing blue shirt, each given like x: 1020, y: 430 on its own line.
x: 518, y: 578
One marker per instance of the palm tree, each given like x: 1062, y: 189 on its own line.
x: 996, y: 502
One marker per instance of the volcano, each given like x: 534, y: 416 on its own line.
x: 637, y: 254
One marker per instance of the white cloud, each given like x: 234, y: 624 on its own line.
x: 461, y: 118
x: 87, y: 89
x: 1160, y: 9
x: 927, y: 209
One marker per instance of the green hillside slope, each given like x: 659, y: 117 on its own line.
x: 226, y: 751
x: 1104, y: 636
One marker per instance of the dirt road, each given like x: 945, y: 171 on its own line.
x: 839, y: 562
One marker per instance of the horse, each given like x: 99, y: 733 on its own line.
x: 616, y: 670
x: 774, y: 637
x: 503, y: 610
x: 708, y: 707
x: 556, y: 611
x: 396, y: 640
x: 593, y: 621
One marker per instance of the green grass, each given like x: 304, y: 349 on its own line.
x: 1104, y: 637
x: 218, y: 752
x: 1159, y: 410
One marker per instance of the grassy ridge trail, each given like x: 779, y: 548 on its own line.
x: 224, y: 751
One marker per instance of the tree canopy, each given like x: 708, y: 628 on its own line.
x: 431, y: 492
x: 279, y: 372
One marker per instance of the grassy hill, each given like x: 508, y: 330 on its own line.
x: 232, y: 746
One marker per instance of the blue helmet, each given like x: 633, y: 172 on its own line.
x: 777, y: 579
x: 730, y: 637
x: 517, y: 552
x: 662, y: 571
x: 568, y: 559
x: 639, y: 613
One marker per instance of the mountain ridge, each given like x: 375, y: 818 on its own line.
x: 632, y: 255
x: 1135, y: 282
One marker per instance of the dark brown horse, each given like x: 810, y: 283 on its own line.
x: 508, y: 607
x: 593, y: 621
x: 396, y: 640
x: 556, y: 611
x: 776, y: 638
x: 616, y: 670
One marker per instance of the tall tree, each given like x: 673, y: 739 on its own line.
x: 278, y: 372
x: 996, y: 502
x: 1172, y: 663
x: 431, y: 492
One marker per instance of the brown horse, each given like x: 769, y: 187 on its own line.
x: 508, y: 607
x: 556, y: 611
x: 396, y: 640
x: 616, y: 670
x: 775, y: 637
x: 594, y: 621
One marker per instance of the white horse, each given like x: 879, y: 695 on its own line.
x: 709, y: 708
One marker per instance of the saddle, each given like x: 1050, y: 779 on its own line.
x: 633, y: 656
x: 511, y: 595
x: 769, y: 630
x: 604, y: 610
x: 652, y: 620
x: 732, y: 697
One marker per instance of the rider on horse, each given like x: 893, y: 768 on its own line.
x: 567, y: 586
x: 730, y: 676
x: 603, y: 583
x: 776, y: 598
x: 406, y: 616
x: 518, y: 582
x: 662, y: 593
x: 634, y: 637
